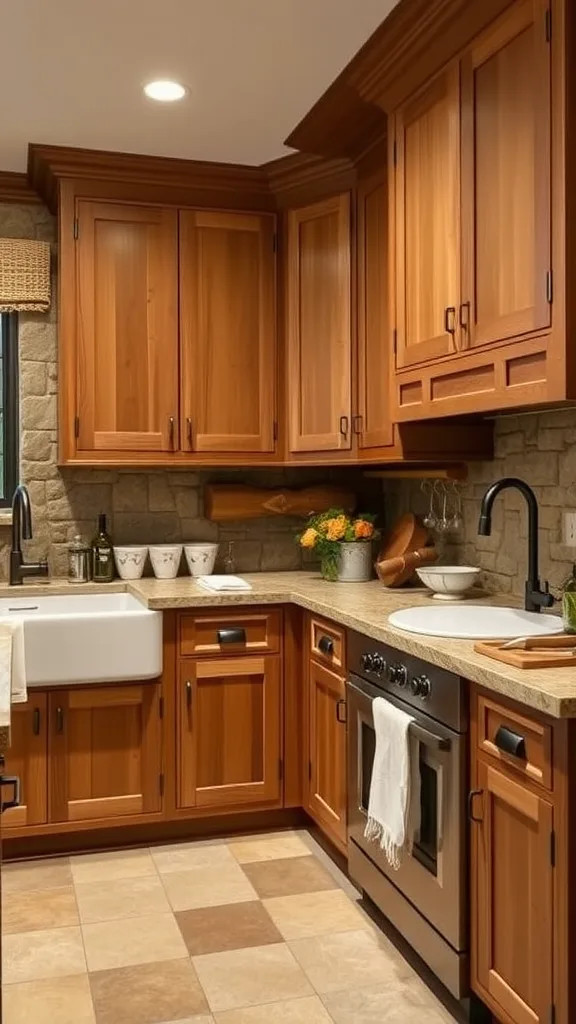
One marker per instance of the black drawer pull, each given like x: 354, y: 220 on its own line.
x: 341, y: 712
x: 188, y: 693
x: 36, y: 722
x: 236, y: 635
x: 14, y: 781
x: 510, y: 742
x: 471, y: 795
x: 326, y: 645
x: 59, y: 720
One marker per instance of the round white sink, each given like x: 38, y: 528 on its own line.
x: 475, y: 622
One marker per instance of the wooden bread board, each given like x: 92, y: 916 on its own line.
x: 552, y: 657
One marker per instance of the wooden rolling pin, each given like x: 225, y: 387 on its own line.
x: 393, y: 572
x: 224, y: 502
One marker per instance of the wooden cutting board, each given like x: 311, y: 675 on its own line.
x: 403, y: 543
x: 550, y: 656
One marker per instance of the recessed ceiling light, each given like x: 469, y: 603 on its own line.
x: 165, y: 91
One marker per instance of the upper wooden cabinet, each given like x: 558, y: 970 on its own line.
x: 427, y: 218
x: 227, y: 332
x: 127, y: 328
x: 319, y: 331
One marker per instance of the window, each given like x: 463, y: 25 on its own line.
x: 8, y: 407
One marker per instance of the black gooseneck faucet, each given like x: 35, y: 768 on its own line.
x: 535, y: 598
x: 22, y: 530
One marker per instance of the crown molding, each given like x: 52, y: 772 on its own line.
x: 301, y: 177
x: 14, y: 188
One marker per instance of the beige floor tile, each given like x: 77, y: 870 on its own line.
x: 202, y: 1019
x: 208, y: 887
x: 383, y: 1005
x: 36, y: 874
x: 315, y: 913
x: 124, y: 897
x: 189, y: 856
x: 135, y: 940
x: 147, y: 993
x: 106, y: 867
x: 34, y: 910
x: 233, y: 926
x: 246, y: 851
x: 293, y: 1011
x: 51, y: 953
x: 288, y: 876
x: 246, y: 977
x: 346, y: 960
x: 52, y: 1001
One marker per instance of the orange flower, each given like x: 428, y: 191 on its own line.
x: 363, y: 529
x: 308, y: 538
x: 336, y: 528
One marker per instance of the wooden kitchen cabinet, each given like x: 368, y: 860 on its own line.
x: 229, y: 731
x: 105, y: 752
x: 318, y: 327
x: 126, y: 328
x: 27, y: 758
x: 227, y: 331
x: 327, y: 785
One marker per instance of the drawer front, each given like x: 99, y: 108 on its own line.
x: 327, y: 643
x: 235, y: 633
x: 522, y: 743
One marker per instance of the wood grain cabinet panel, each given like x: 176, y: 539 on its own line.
x: 105, y: 748
x: 319, y: 340
x: 427, y: 221
x: 327, y: 789
x: 229, y: 747
x: 512, y: 917
x: 506, y: 178
x: 27, y: 758
x: 127, y: 328
x: 227, y: 332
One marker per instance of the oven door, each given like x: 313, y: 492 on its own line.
x: 433, y: 877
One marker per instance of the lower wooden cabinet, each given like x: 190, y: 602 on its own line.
x: 327, y: 787
x: 27, y: 758
x: 229, y: 744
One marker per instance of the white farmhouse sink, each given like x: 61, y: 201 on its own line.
x: 87, y: 638
x: 475, y: 622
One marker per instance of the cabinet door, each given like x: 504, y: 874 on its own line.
x: 374, y: 425
x: 506, y: 178
x: 26, y: 758
x: 227, y: 332
x: 512, y: 924
x: 319, y: 355
x: 230, y: 749
x: 105, y: 747
x: 327, y: 768
x: 427, y: 214
x: 127, y: 324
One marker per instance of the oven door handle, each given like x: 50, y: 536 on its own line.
x: 430, y: 739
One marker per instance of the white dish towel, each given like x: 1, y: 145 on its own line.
x: 14, y: 628
x: 221, y: 584
x: 394, y: 802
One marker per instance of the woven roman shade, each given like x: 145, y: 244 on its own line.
x: 24, y: 275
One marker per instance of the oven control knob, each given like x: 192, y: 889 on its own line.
x: 397, y: 674
x: 367, y: 662
x: 420, y: 686
x: 378, y: 664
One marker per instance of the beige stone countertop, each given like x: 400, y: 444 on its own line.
x: 364, y: 607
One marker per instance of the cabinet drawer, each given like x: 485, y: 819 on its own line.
x: 236, y: 633
x: 327, y: 643
x: 524, y: 744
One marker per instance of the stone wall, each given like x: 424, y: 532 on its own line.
x: 540, y: 449
x: 143, y: 506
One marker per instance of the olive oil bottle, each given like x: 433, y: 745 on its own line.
x: 102, y: 554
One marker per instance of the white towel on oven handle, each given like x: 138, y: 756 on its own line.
x: 394, y: 801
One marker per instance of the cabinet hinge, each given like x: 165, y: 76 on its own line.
x: 75, y: 227
x: 275, y: 430
x: 161, y: 783
x: 161, y: 707
x: 395, y: 153
x: 548, y: 24
x: 549, y: 292
x: 553, y: 849
x: 76, y: 426
x: 280, y: 769
x: 274, y: 242
x: 552, y: 1014
x: 309, y: 771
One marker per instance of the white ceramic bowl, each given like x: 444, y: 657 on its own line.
x: 201, y: 558
x: 165, y: 560
x: 449, y: 582
x: 130, y: 560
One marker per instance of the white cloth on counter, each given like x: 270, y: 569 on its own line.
x: 221, y: 584
x: 394, y: 802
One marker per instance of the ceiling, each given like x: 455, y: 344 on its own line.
x: 71, y: 72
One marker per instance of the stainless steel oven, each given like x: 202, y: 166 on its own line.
x: 425, y: 898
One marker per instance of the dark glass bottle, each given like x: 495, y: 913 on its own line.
x: 102, y: 554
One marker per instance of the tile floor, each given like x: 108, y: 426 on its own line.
x: 250, y: 931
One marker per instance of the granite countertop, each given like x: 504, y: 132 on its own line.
x: 364, y: 607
